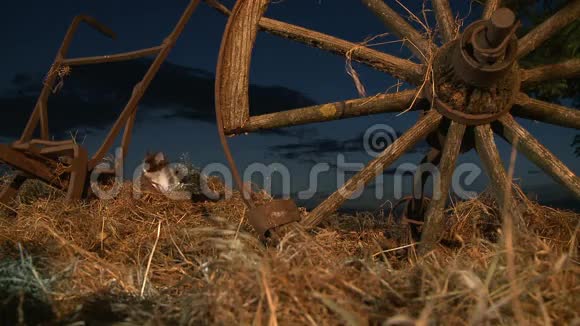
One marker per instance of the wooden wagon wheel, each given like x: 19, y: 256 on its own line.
x: 475, y: 88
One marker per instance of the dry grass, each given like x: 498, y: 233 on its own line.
x: 195, y: 263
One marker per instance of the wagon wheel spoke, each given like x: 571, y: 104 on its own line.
x: 445, y: 19
x: 563, y: 70
x: 382, y: 103
x: 539, y: 154
x: 420, y: 130
x: 500, y: 184
x: 434, y: 217
x: 490, y: 7
x: 529, y: 108
x: 397, y: 67
x: 549, y: 27
x: 419, y: 45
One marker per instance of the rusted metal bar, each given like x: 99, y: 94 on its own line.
x: 420, y: 46
x: 112, y: 57
x: 26, y: 164
x: 77, y: 173
x: 563, y: 70
x: 397, y: 67
x: 445, y: 20
x: 434, y: 218
x: 140, y: 88
x: 127, y: 133
x: 549, y: 27
x: 530, y: 108
x: 490, y: 7
x: 50, y: 79
x: 382, y: 103
x: 420, y: 130
x: 500, y: 184
x: 43, y: 112
x: 537, y: 153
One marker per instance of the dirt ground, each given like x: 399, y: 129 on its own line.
x: 154, y: 262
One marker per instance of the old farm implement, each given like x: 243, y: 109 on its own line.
x: 65, y: 164
x: 472, y: 85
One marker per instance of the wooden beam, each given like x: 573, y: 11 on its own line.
x: 420, y: 46
x: 381, y: 103
x: 434, y: 226
x: 563, y: 70
x: 407, y: 141
x: 549, y: 27
x: 530, y: 108
x: 397, y: 67
x: 540, y: 155
x: 490, y: 7
x: 445, y: 20
x: 500, y: 185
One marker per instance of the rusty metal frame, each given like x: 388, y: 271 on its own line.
x: 36, y: 157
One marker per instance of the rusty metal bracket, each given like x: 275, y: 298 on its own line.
x: 273, y: 214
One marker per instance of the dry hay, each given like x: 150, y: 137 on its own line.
x: 88, y: 261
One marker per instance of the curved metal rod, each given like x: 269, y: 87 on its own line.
x: 39, y: 112
x: 139, y: 89
x: 537, y: 153
x: 530, y: 108
x: 397, y: 67
x: 112, y: 57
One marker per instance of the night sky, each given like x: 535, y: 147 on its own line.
x: 283, y: 73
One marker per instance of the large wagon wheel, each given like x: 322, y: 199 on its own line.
x: 475, y: 88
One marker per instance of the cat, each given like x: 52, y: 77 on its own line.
x: 159, y: 176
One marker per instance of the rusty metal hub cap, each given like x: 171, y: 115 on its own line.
x: 476, y: 76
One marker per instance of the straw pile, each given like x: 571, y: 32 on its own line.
x: 155, y: 261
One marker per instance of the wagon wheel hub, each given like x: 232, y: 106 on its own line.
x: 476, y: 76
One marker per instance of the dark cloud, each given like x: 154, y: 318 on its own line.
x: 317, y: 149
x: 92, y: 97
